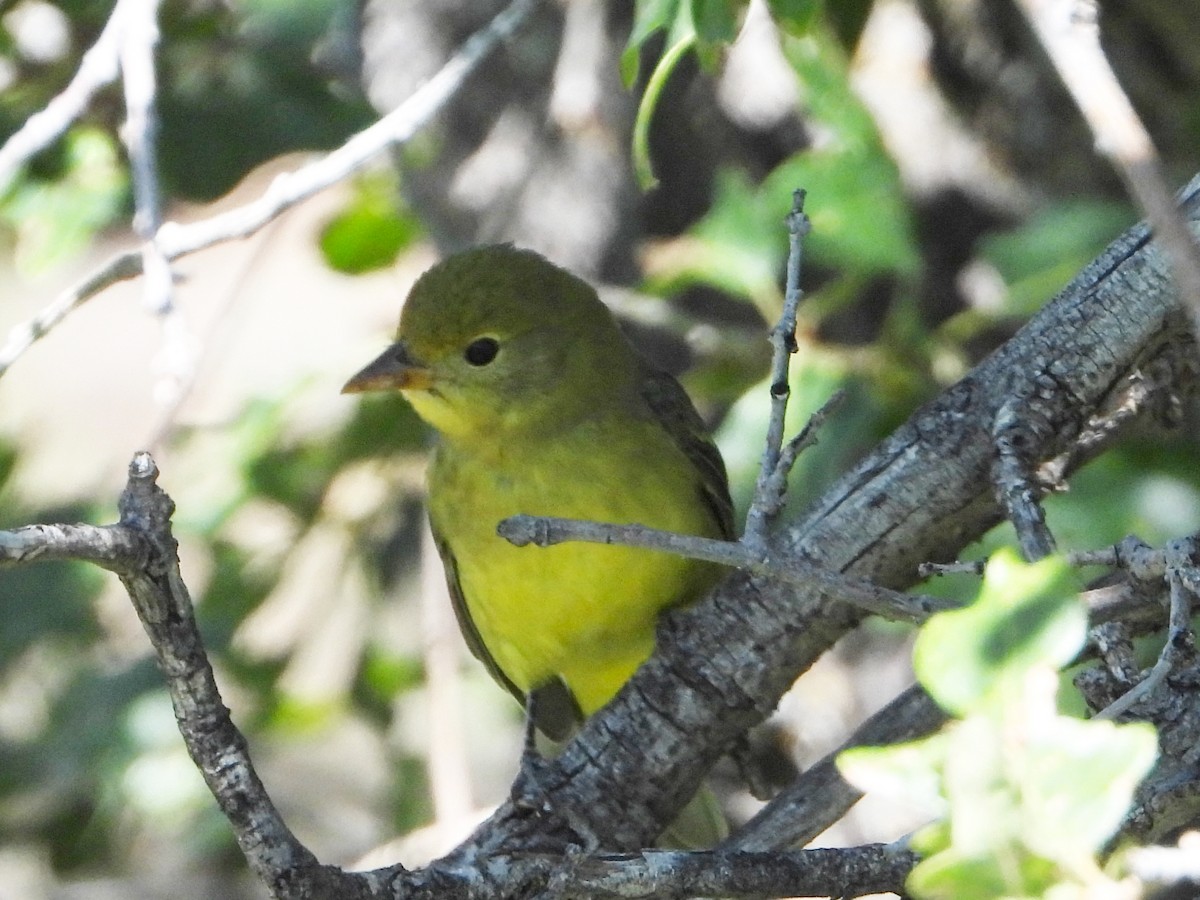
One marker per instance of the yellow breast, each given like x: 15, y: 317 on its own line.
x: 585, y: 612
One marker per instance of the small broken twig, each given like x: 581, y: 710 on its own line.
x: 768, y: 490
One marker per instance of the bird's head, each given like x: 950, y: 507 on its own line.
x: 498, y: 338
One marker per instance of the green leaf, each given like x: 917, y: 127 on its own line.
x: 909, y: 774
x: 703, y: 26
x: 1025, y: 615
x: 954, y: 877
x: 860, y: 219
x: 1079, y: 781
x: 716, y: 21
x: 1038, y: 258
x: 856, y: 201
x: 795, y: 17
x: 649, y: 17
x: 371, y: 231
x: 742, y: 244
x: 387, y: 673
x: 642, y: 164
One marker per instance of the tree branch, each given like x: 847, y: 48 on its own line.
x: 771, y: 483
x: 97, y: 68
x: 216, y: 746
x: 923, y: 494
x: 1069, y: 31
x: 174, y: 240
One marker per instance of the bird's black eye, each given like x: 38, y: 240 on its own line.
x: 481, y: 351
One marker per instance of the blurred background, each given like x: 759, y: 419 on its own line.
x: 952, y: 190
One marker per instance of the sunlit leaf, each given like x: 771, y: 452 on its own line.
x: 1080, y: 783
x: 1025, y: 615
x: 909, y: 774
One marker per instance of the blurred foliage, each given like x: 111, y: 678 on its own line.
x: 72, y: 191
x: 243, y: 85
x: 1024, y: 796
x: 373, y: 229
x: 90, y: 768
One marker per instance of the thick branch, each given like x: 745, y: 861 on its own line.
x: 214, y: 743
x: 923, y: 494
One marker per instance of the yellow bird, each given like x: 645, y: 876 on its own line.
x: 543, y: 407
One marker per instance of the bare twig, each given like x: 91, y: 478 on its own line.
x: 742, y: 648
x: 1069, y: 30
x: 120, y: 268
x: 175, y: 240
x: 1018, y: 428
x: 396, y: 127
x: 111, y: 548
x: 97, y: 68
x: 177, y: 359
x: 776, y: 487
x: 142, y: 551
x: 1114, y: 644
x: 140, y: 133
x: 1181, y: 578
x: 219, y: 750
x: 545, y: 531
x: 765, y: 505
x: 846, y: 872
x: 932, y: 569
x: 1132, y: 554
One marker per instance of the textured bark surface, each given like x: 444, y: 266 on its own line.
x: 925, y: 493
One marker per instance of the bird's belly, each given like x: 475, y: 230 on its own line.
x: 585, y: 612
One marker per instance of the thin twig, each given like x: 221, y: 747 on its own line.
x: 1069, y: 30
x: 177, y: 358
x: 143, y: 552
x: 776, y: 487
x: 119, y: 268
x: 395, y: 128
x: 1132, y: 554
x: 545, y: 531
x: 783, y: 341
x: 97, y: 68
x: 1018, y: 427
x: 175, y: 240
x: 140, y: 134
x: 1181, y: 580
x: 958, y: 567
x: 111, y: 548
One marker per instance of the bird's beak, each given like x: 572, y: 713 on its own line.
x: 395, y: 369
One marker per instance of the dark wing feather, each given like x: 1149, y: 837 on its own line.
x: 673, y: 408
x: 465, y: 623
